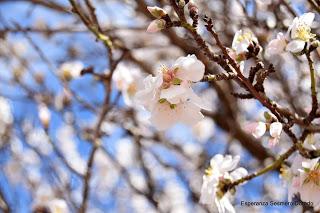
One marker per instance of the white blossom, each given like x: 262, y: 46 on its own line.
x: 305, y: 180
x: 204, y: 129
x: 242, y: 39
x: 300, y: 32
x: 70, y: 70
x: 169, y: 96
x: 128, y: 81
x: 58, y: 206
x: 221, y: 168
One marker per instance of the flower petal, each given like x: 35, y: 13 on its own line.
x: 189, y: 68
x: 189, y: 113
x: 295, y: 46
x: 307, y: 18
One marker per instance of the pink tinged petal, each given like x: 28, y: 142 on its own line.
x: 275, y: 129
x: 296, y: 182
x: 273, y: 141
x: 276, y: 46
x: 189, y: 68
x: 307, y: 18
x: 189, y: 113
x: 308, y: 192
x: 163, y: 117
x: 156, y: 25
x: 295, y: 46
x: 257, y: 129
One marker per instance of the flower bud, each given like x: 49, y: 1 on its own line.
x: 193, y: 9
x: 181, y: 3
x: 156, y: 26
x: 44, y: 115
x: 157, y: 12
x: 267, y: 116
x: 275, y: 129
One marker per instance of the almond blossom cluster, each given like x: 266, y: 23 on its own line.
x: 222, y: 169
x: 169, y: 96
x: 297, y: 37
x: 304, y: 180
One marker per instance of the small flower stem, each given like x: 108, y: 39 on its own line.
x: 313, y: 111
x: 271, y: 167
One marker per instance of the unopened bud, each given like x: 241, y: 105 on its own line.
x: 156, y: 26
x: 314, y: 45
x: 44, y: 115
x: 267, y: 116
x: 181, y: 3
x: 193, y: 9
x: 157, y: 12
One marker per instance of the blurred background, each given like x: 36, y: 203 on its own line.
x: 51, y: 116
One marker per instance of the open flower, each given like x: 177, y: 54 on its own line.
x: 169, y: 96
x: 305, y: 180
x: 300, y: 32
x: 242, y: 39
x: 221, y: 169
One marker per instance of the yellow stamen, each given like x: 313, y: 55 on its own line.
x: 244, y: 36
x: 314, y: 175
x: 303, y: 33
x: 208, y: 171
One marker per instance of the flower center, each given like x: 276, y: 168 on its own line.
x: 285, y: 173
x: 208, y: 171
x: 244, y: 36
x: 303, y: 33
x: 169, y: 78
x: 314, y: 175
x: 132, y: 89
